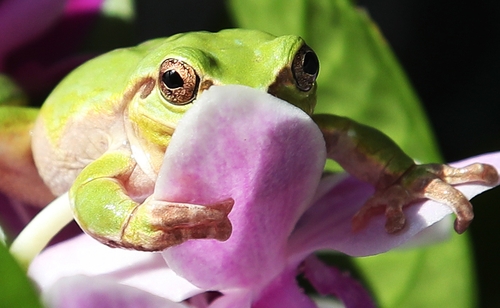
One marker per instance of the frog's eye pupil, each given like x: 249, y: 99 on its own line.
x: 305, y: 68
x: 311, y: 63
x: 172, y: 79
x: 178, y: 81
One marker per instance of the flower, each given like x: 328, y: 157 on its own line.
x: 268, y: 156
x: 40, y: 39
x: 40, y: 42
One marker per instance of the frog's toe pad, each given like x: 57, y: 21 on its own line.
x: 395, y: 219
x: 490, y: 174
x: 376, y: 205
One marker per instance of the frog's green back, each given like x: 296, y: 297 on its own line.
x: 233, y: 56
x: 97, y: 85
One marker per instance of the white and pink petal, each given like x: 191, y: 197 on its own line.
x: 83, y: 255
x: 327, y: 224
x: 100, y: 292
x: 241, y: 143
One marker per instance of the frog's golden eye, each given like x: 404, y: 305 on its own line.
x: 178, y: 81
x: 305, y: 68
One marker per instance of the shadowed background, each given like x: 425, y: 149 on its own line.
x: 450, y: 51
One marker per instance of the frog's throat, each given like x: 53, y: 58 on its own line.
x: 156, y: 130
x: 147, y: 136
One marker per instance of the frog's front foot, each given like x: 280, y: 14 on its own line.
x: 431, y: 181
x: 156, y: 225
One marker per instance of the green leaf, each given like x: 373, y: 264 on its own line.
x: 16, y: 289
x: 435, y: 276
x: 10, y: 93
x: 361, y: 78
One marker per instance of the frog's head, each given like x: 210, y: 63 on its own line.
x: 176, y: 70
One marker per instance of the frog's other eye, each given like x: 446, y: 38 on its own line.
x: 178, y: 81
x: 305, y: 68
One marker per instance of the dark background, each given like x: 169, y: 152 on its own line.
x: 450, y: 51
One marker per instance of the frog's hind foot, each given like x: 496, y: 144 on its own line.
x: 433, y: 182
x: 440, y: 189
x: 157, y: 225
x: 389, y: 202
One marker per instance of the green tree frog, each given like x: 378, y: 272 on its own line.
x: 103, y: 132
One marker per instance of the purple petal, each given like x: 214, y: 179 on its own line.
x: 284, y: 292
x: 23, y: 20
x: 264, y: 153
x: 36, y: 75
x: 79, y: 7
x: 97, y: 292
x: 240, y: 298
x: 437, y: 233
x: 328, y: 280
x: 85, y: 256
x: 203, y: 300
x: 327, y: 225
x: 14, y: 215
x: 45, y: 58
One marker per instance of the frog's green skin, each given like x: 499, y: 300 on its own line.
x: 103, y: 132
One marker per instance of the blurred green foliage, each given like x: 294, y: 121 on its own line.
x: 17, y: 290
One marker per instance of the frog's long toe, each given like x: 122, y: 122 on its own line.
x: 157, y: 225
x: 482, y: 173
x: 446, y: 194
x: 440, y: 189
x: 390, y: 202
x: 395, y: 219
x: 432, y: 182
x: 171, y: 215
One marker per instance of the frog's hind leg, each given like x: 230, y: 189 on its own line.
x: 440, y: 190
x: 433, y: 182
x: 19, y: 177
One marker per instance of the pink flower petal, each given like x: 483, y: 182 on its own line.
x: 327, y: 224
x: 99, y: 292
x: 240, y: 298
x: 284, y: 292
x: 83, y: 255
x: 79, y: 7
x: 38, y: 61
x: 15, y: 215
x: 264, y: 153
x: 328, y: 280
x: 23, y: 20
